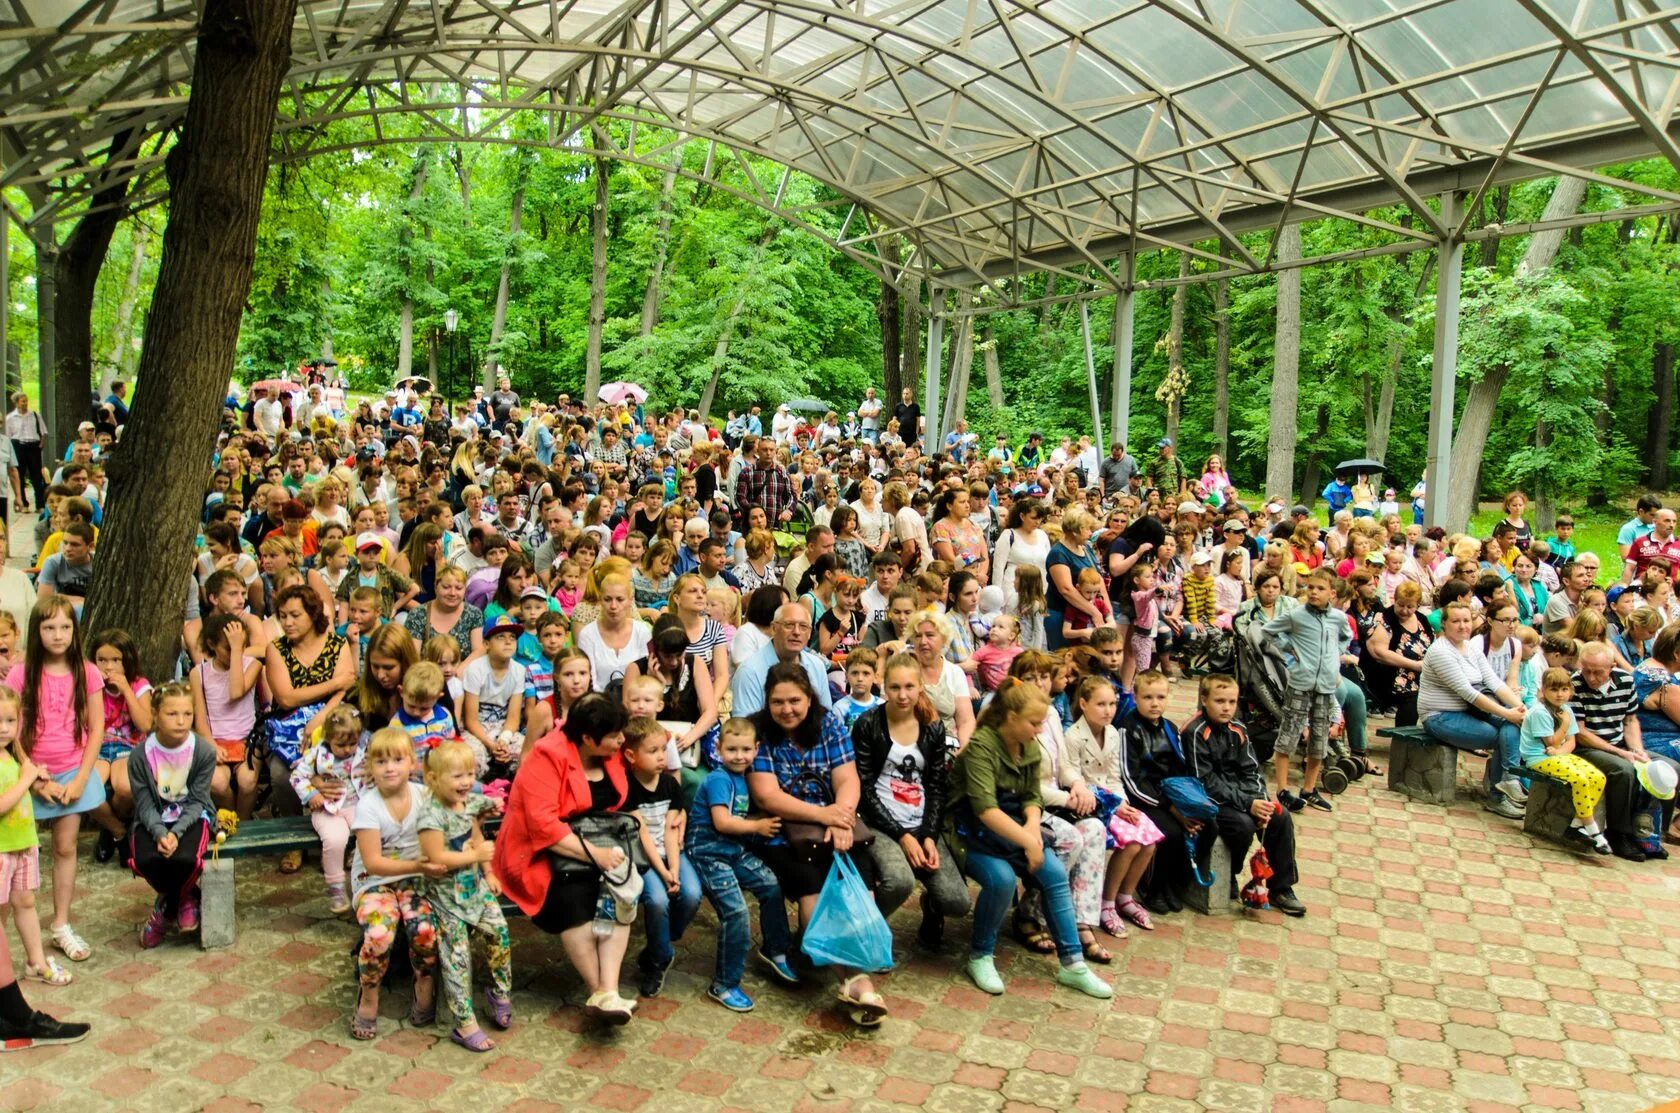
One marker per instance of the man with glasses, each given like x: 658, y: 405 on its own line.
x: 790, y: 634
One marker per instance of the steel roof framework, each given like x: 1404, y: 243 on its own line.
x: 998, y: 138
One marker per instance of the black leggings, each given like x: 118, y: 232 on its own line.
x: 174, y: 876
x: 1170, y: 871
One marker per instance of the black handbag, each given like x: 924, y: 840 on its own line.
x: 806, y: 837
x: 622, y: 830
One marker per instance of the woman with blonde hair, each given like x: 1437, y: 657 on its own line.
x: 588, y: 608
x: 945, y: 683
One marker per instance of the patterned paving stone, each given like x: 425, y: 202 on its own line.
x: 1449, y: 964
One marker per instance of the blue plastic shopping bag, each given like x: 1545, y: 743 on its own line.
x: 847, y: 929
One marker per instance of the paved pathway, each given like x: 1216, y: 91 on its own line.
x: 1471, y: 969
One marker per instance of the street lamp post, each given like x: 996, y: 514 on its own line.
x: 450, y: 320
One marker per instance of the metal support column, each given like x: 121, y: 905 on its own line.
x: 1444, y: 377
x: 1120, y: 405
x: 46, y: 330
x: 1091, y: 377
x: 932, y: 416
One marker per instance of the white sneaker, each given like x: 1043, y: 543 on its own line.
x: 1513, y: 789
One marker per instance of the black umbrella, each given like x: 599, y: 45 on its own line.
x: 1364, y: 466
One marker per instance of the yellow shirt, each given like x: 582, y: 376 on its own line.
x: 50, y: 546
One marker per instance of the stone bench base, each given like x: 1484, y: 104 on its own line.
x: 1216, y: 900
x: 1551, y: 809
x: 1424, y: 771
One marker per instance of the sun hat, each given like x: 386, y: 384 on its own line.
x: 1657, y: 778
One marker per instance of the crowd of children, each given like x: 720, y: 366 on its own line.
x: 1036, y: 704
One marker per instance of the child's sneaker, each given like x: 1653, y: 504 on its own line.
x: 652, y: 979
x: 155, y: 927
x: 338, y: 898
x: 779, y: 966
x: 982, y: 971
x: 732, y: 999
x: 1513, y: 788
x: 187, y: 918
x: 1079, y: 976
x: 1289, y: 800
x: 1317, y: 800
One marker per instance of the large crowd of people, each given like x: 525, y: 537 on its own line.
x: 593, y: 664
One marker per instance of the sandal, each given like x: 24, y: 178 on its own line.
x: 871, y: 1005
x: 75, y: 948
x: 291, y: 861
x: 1094, y: 951
x: 50, y: 972
x: 1112, y: 923
x: 1135, y: 912
x: 501, y: 1010
x: 1031, y: 935
x: 363, y: 1027
x: 423, y: 1016
x: 477, y: 1041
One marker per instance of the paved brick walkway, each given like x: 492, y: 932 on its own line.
x: 1472, y: 969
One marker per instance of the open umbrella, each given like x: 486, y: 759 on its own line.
x: 285, y: 386
x: 615, y: 394
x: 1361, y: 466
x: 809, y: 405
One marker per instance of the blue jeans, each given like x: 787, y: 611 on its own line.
x: 996, y: 878
x: 668, y: 915
x: 723, y: 879
x: 1471, y: 728
x: 1352, y: 700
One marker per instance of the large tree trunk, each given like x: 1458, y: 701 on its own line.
x: 498, y: 322
x: 1474, y: 424
x: 1659, y: 429
x: 216, y: 172
x: 994, y: 373
x: 1222, y: 370
x: 78, y: 265
x: 662, y: 246
x: 1315, y: 457
x: 889, y: 311
x: 910, y: 365
x: 405, y: 316
x: 1174, y: 386
x: 597, y: 282
x: 122, y: 347
x: 1286, y: 369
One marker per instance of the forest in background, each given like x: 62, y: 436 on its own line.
x: 685, y: 286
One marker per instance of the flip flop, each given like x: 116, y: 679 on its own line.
x: 871, y: 1005
x: 478, y: 1041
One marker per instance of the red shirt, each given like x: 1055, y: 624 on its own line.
x: 549, y: 790
x: 1647, y: 549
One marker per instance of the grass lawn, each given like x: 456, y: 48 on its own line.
x: 1595, y: 532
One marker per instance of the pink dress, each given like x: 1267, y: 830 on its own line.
x: 58, y: 744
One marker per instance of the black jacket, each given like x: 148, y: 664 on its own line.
x: 1153, y: 753
x: 871, y: 744
x: 1222, y: 759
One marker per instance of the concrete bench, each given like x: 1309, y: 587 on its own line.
x: 255, y: 836
x: 1216, y: 899
x: 1551, y: 809
x: 1420, y: 765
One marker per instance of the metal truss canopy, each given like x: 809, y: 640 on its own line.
x: 999, y: 137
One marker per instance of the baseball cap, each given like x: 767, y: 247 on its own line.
x: 1203, y: 557
x: 1375, y: 558
x: 366, y: 452
x: 1300, y: 511
x: 1274, y: 507
x: 369, y: 541
x: 533, y: 591
x: 503, y: 623
x: 86, y: 425
x: 1234, y: 525
x: 1189, y: 508
x: 1164, y: 442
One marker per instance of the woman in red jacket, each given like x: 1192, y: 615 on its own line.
x: 572, y: 770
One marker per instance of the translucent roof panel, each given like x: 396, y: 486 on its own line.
x: 992, y: 135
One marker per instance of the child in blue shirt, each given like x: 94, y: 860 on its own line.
x: 427, y: 721
x: 861, y: 665
x: 718, y: 830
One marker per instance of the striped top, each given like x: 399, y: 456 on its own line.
x: 1604, y: 711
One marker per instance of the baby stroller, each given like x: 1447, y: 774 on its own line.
x: 1262, y: 685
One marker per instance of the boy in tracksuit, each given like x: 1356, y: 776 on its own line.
x: 1153, y: 753
x: 1315, y: 636
x: 1217, y: 750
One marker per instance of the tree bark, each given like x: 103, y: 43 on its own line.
x: 1173, y: 387
x: 1315, y: 458
x: 1482, y: 401
x: 405, y: 316
x: 910, y: 365
x: 498, y: 322
x: 597, y: 281
x: 890, y: 313
x: 1222, y: 370
x: 962, y: 365
x: 662, y: 245
x: 216, y: 172
x: 1286, y: 370
x: 994, y: 373
x: 1659, y: 432
x: 78, y: 265
x: 122, y: 347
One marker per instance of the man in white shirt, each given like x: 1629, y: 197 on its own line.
x: 268, y: 414
x: 869, y: 415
